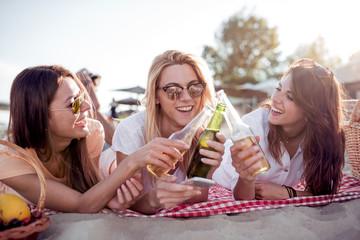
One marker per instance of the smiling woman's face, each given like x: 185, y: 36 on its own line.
x: 179, y: 112
x: 63, y: 123
x: 284, y: 111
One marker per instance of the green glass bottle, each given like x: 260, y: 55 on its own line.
x: 197, y: 168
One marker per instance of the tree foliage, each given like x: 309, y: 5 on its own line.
x: 245, y: 50
x: 316, y: 50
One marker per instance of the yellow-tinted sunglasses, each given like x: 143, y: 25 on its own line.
x: 75, y: 106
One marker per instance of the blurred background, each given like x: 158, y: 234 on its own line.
x: 247, y: 44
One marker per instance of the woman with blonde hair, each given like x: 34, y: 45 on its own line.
x: 179, y: 86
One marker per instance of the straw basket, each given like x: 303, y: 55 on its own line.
x: 352, y: 134
x: 32, y: 230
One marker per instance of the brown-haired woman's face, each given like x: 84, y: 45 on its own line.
x: 284, y: 111
x: 66, y: 124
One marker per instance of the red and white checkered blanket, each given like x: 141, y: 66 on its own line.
x: 220, y: 202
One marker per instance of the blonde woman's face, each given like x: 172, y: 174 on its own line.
x: 180, y: 111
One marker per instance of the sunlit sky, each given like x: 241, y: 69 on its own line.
x: 119, y: 39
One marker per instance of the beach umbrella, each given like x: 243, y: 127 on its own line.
x: 128, y: 101
x: 4, y: 106
x: 137, y: 89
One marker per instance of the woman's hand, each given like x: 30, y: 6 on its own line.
x: 168, y: 194
x: 127, y: 194
x: 246, y: 162
x: 270, y: 191
x: 214, y: 158
x: 158, y: 152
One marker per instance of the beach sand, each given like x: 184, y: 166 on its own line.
x: 334, y: 221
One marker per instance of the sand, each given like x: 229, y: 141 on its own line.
x: 334, y: 221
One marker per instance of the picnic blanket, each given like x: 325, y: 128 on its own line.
x: 220, y: 201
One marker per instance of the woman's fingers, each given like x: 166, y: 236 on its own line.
x: 161, y: 152
x: 169, y: 194
x: 120, y: 196
x: 221, y: 138
x: 136, y: 185
x: 129, y: 191
x: 211, y: 157
x: 246, y: 162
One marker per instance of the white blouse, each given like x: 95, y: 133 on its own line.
x: 129, y: 137
x: 289, y: 173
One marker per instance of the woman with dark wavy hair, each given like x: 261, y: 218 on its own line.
x: 300, y: 134
x: 49, y: 120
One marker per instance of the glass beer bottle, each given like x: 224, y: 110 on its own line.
x: 241, y: 132
x: 197, y: 168
x: 185, y: 135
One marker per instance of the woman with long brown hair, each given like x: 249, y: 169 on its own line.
x: 49, y: 120
x: 300, y: 134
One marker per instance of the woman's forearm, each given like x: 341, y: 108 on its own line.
x: 244, y: 190
x: 98, y: 196
x: 145, y: 204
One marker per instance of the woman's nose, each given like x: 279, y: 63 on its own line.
x: 185, y: 95
x: 85, y: 106
x: 276, y: 97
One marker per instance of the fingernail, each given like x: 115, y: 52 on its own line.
x: 198, y: 192
x: 188, y: 187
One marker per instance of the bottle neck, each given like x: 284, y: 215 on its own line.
x: 236, y: 126
x: 215, y: 122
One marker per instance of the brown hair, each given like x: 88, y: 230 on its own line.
x: 31, y: 94
x: 320, y: 98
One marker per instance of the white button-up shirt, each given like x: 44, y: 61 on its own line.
x: 289, y: 173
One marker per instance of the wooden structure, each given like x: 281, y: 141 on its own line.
x: 246, y: 97
x: 349, y: 76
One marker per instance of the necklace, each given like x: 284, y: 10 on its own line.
x: 288, y: 139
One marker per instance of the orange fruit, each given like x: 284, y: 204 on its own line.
x: 12, y: 206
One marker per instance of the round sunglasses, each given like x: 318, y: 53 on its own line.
x: 75, y: 106
x: 195, y: 90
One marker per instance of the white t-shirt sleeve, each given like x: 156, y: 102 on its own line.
x: 129, y: 136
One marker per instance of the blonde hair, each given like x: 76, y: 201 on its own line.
x: 162, y: 61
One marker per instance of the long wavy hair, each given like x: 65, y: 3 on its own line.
x: 162, y: 61
x: 318, y: 93
x: 32, y: 91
